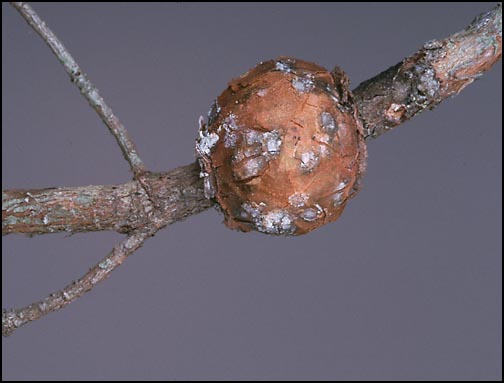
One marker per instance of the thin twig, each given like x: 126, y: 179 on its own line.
x: 179, y: 192
x: 14, y: 318
x: 88, y: 90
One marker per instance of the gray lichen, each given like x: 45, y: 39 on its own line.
x: 433, y: 44
x: 8, y: 204
x: 341, y: 185
x: 271, y: 142
x: 251, y: 210
x: 338, y: 199
x: 309, y: 160
x: 303, y: 84
x: 328, y: 124
x: 230, y: 126
x: 106, y: 264
x: 262, y: 92
x: 298, y: 199
x: 208, y: 185
x: 250, y: 167
x: 275, y: 221
x: 428, y: 85
x: 309, y: 214
x: 206, y: 142
x: 84, y: 199
x: 265, y: 145
x: 426, y: 88
x: 285, y: 65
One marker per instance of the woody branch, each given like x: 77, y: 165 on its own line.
x: 441, y: 68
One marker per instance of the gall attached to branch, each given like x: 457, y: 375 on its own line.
x: 283, y: 148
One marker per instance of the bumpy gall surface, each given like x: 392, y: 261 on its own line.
x: 283, y: 149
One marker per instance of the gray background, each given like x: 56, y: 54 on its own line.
x: 406, y: 285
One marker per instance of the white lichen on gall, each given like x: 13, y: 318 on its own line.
x: 229, y: 124
x: 284, y: 65
x: 230, y: 139
x: 276, y: 221
x: 208, y: 187
x: 328, y: 124
x: 341, y: 185
x: 206, y: 142
x: 250, y: 167
x: 271, y: 142
x: 309, y: 160
x: 303, y: 84
x: 269, y: 155
x: 309, y: 214
x: 298, y: 199
x: 262, y: 92
x: 338, y: 199
x: 324, y: 150
x: 251, y: 210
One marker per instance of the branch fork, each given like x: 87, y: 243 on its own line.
x: 140, y: 208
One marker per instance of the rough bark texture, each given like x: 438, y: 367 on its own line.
x: 122, y: 208
x: 440, y: 69
x: 142, y: 207
x: 125, y: 208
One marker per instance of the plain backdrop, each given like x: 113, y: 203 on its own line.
x: 406, y: 285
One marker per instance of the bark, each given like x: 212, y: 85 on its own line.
x: 440, y: 69
x: 150, y: 202
x: 15, y: 318
x: 123, y: 208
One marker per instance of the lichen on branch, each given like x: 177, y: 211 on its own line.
x: 440, y: 69
x: 122, y: 208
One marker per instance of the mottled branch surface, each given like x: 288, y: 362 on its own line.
x: 122, y: 208
x: 440, y: 69
x: 125, y: 208
x: 140, y: 208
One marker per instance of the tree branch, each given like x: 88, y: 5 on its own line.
x: 87, y: 89
x: 15, y: 318
x: 122, y: 208
x: 126, y: 208
x: 440, y: 69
